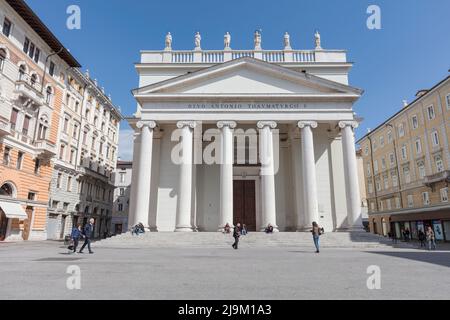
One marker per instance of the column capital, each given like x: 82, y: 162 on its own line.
x: 352, y: 123
x: 262, y: 124
x: 145, y: 123
x: 303, y: 124
x: 230, y: 124
x: 190, y: 124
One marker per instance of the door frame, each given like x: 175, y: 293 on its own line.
x: 251, y: 173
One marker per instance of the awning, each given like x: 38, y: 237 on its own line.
x: 13, y: 210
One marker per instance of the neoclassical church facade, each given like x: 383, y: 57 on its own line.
x: 252, y: 136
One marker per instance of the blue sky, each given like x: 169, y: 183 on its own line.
x: 410, y: 52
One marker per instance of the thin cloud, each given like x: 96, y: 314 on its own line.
x: 126, y: 144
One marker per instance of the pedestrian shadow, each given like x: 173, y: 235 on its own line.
x: 434, y: 257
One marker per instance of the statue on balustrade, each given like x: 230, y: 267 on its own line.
x: 317, y: 39
x: 257, y: 39
x: 197, y: 41
x: 168, y: 41
x: 227, y: 40
x: 287, y: 41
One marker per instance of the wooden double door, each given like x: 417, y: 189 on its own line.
x: 244, y: 203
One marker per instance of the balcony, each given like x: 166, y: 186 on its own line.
x: 29, y: 90
x: 5, y: 127
x: 443, y: 176
x: 45, y: 148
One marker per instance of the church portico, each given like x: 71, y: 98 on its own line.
x: 244, y: 141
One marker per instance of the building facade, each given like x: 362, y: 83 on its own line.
x: 407, y: 166
x: 33, y: 66
x: 82, y: 181
x: 252, y: 136
x: 122, y: 184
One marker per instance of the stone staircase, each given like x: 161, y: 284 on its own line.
x: 354, y: 239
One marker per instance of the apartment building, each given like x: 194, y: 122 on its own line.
x: 122, y: 183
x: 33, y: 66
x: 407, y: 166
x: 82, y: 182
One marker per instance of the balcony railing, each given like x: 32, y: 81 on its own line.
x: 219, y: 56
x: 45, y: 148
x: 30, y: 89
x: 5, y: 127
x: 437, y: 177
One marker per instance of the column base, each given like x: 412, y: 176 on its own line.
x: 184, y: 229
x: 304, y: 229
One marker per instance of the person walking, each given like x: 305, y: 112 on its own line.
x: 244, y: 230
x: 422, y: 239
x: 76, y: 235
x: 88, y: 233
x: 431, y: 238
x: 236, y: 235
x: 316, y: 232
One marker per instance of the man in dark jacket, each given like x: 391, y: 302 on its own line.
x: 236, y: 235
x: 76, y: 235
x: 88, y: 232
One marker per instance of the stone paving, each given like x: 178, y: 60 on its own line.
x: 37, y: 270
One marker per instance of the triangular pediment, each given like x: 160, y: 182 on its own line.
x: 246, y: 76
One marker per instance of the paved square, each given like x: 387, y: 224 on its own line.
x: 38, y: 271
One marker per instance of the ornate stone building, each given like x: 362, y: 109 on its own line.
x: 407, y: 166
x: 252, y: 136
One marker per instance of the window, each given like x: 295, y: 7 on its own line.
x: 415, y: 122
x: 69, y: 183
x: 431, y: 114
x: 383, y: 163
x: 386, y: 183
x: 418, y: 145
x: 85, y: 137
x: 444, y: 194
x: 31, y: 50
x: 370, y: 186
x: 66, y: 125
x: 366, y: 148
x: 37, y: 166
x: 439, y: 164
x: 406, y: 175
x: 122, y: 177
x: 7, y: 27
x: 31, y: 196
x: 95, y: 121
x: 378, y: 184
x: 37, y: 54
x: 26, y: 45
x: 448, y: 101
x: 425, y: 198
x: 435, y: 138
x: 122, y: 191
x: 372, y: 206
x: 381, y: 205
x: 19, y: 160
x: 33, y: 80
x: 391, y: 159
x: 401, y: 130
x: 13, y: 118
x: 397, y: 203
x: 55, y: 204
x: 368, y: 168
x: 77, y: 104
x: 388, y: 204
x: 72, y: 156
x: 404, y: 153
x: 65, y: 206
x: 58, y: 181
x: 120, y: 207
x: 7, y: 156
x: 51, y: 69
x: 375, y: 166
x: 395, y: 181
x: 48, y: 97
x: 62, y: 148
x: 2, y: 58
x: 389, y: 137
x: 410, y: 200
x: 422, y: 172
x: 75, y: 131
x: 382, y: 141
x: 22, y: 70
x: 374, y: 144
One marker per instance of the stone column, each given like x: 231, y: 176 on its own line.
x: 266, y: 155
x: 351, y: 175
x: 226, y: 173
x: 143, y: 172
x: 183, y: 219
x: 309, y: 173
